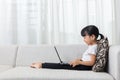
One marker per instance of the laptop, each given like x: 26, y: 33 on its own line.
x: 61, y: 62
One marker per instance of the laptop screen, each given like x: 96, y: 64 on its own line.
x: 58, y: 55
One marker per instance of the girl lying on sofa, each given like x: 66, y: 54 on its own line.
x: 90, y: 34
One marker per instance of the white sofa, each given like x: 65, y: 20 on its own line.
x: 15, y: 63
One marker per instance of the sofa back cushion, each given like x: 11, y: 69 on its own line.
x: 35, y: 53
x: 70, y: 52
x: 102, y: 56
x: 8, y: 55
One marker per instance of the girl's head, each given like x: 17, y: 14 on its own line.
x: 90, y: 34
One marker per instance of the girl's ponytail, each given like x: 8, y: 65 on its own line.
x: 101, y: 36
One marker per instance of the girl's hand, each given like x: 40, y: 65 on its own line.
x: 75, y: 62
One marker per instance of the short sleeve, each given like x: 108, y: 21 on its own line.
x: 92, y: 50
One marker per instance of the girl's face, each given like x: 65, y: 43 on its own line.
x: 89, y: 39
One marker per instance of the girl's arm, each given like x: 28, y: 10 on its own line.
x: 80, y: 62
x: 89, y: 63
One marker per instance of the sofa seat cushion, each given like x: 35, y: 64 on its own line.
x: 27, y: 73
x: 5, y: 67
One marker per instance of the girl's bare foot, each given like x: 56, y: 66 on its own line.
x: 37, y: 65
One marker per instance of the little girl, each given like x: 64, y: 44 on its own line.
x: 90, y: 34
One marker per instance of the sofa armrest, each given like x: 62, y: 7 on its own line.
x: 114, y: 61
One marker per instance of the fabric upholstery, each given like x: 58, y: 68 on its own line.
x: 114, y: 61
x: 5, y: 67
x: 34, y: 53
x: 28, y: 54
x: 27, y: 73
x: 8, y: 55
x: 102, y: 55
x: 70, y: 52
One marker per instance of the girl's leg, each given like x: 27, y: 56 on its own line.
x: 62, y: 66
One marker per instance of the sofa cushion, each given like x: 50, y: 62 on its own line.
x: 102, y: 55
x: 35, y: 53
x: 27, y: 73
x: 114, y: 61
x: 70, y: 52
x: 5, y: 67
x: 8, y: 55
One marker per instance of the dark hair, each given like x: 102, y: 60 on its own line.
x: 91, y: 30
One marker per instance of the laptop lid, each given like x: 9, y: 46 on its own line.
x: 58, y: 55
